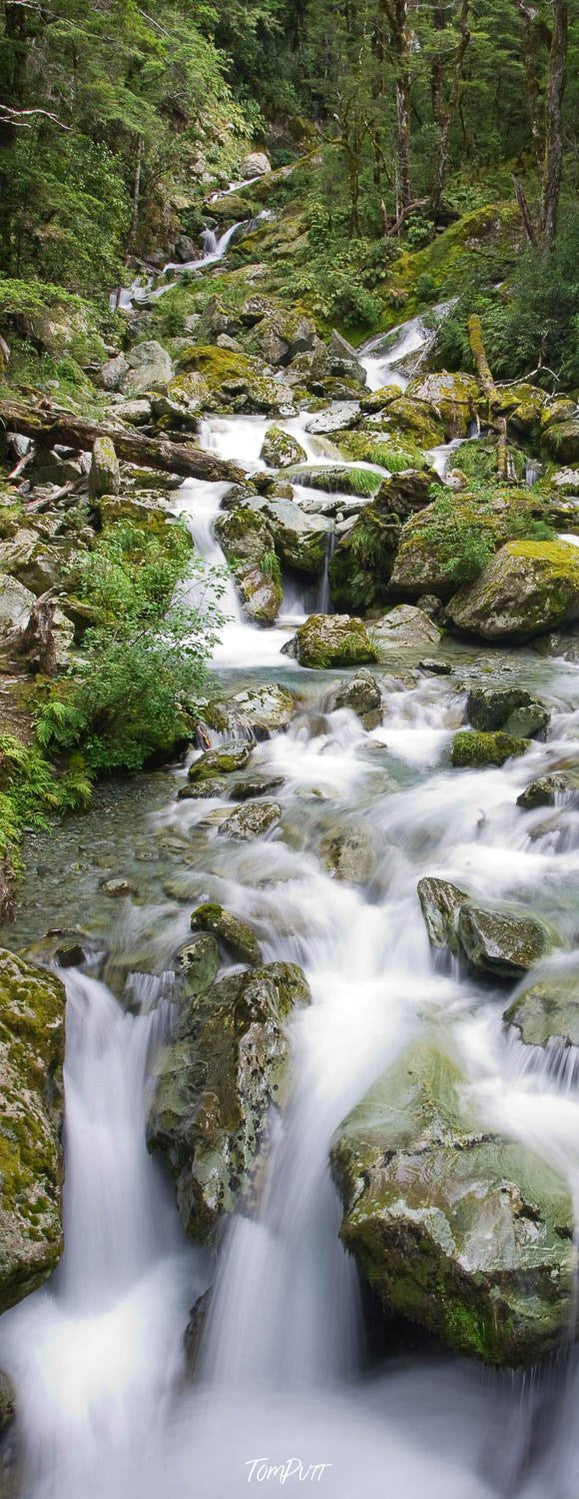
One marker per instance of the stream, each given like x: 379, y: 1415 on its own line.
x: 285, y: 1374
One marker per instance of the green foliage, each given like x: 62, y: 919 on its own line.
x: 132, y: 692
x: 31, y: 791
x: 460, y: 537
x: 270, y: 567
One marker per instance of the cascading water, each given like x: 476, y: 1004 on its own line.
x: 282, y: 1376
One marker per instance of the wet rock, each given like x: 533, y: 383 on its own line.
x: 327, y: 640
x: 300, y: 540
x: 280, y: 450
x: 256, y: 164
x: 361, y: 567
x: 440, y: 903
x: 547, y: 1011
x: 151, y: 368
x: 550, y: 790
x: 260, y: 593
x: 406, y: 625
x: 348, y: 854
x: 338, y: 417
x: 434, y: 667
x: 215, y: 1086
x: 234, y: 934
x: 496, y: 941
x: 32, y: 1005
x: 255, y: 785
x: 221, y: 761
x: 361, y: 694
x: 117, y: 888
x: 260, y: 711
x: 471, y: 747
x: 105, y: 474
x: 528, y: 720
x: 344, y: 359
x: 251, y: 820
x: 7, y: 1402
x: 527, y: 587
x: 489, y: 708
x: 461, y: 1229
x: 198, y: 964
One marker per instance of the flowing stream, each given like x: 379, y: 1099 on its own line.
x: 285, y: 1375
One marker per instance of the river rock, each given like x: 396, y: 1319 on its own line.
x: 454, y: 398
x: 498, y: 941
x: 361, y: 567
x: 260, y: 711
x: 491, y: 708
x: 440, y: 903
x: 112, y: 374
x: 344, y: 359
x: 234, y: 934
x: 252, y: 820
x: 327, y: 640
x: 255, y: 784
x: 197, y: 964
x: 472, y: 748
x: 256, y: 164
x: 300, y: 540
x: 527, y: 587
x: 151, y: 368
x: 280, y: 450
x: 362, y: 695
x: 348, y: 854
x: 547, y: 1011
x: 31, y: 1114
x: 547, y: 791
x: 105, y: 474
x: 406, y: 625
x: 338, y: 417
x: 221, y: 761
x: 260, y: 593
x: 215, y: 1087
x: 458, y: 1228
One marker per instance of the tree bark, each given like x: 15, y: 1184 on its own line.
x: 37, y: 638
x: 483, y: 369
x: 553, y: 164
x: 403, y: 86
x: 447, y: 112
x: 532, y: 82
x: 137, y: 192
x: 57, y: 426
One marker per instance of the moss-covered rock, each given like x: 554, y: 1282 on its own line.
x: 405, y: 625
x: 491, y: 708
x: 527, y: 588
x: 460, y: 1229
x: 215, y: 1087
x: 260, y: 711
x: 499, y: 941
x: 252, y: 820
x: 452, y: 398
x: 440, y: 903
x: 327, y: 640
x: 197, y: 964
x: 300, y: 540
x: 232, y: 756
x: 551, y: 790
x: 361, y: 566
x: 335, y: 480
x: 280, y: 450
x: 234, y: 935
x: 105, y: 474
x: 547, y: 1010
x: 32, y: 1004
x: 236, y: 382
x: 561, y: 441
x: 373, y: 447
x: 470, y: 747
x: 260, y: 593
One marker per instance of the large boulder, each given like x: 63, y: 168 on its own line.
x: 236, y: 382
x: 527, y: 588
x: 251, y: 820
x: 280, y: 450
x: 260, y: 593
x: 561, y: 440
x: 495, y: 939
x: 112, y: 374
x: 228, y: 757
x: 551, y: 789
x: 405, y: 625
x: 215, y: 1088
x: 361, y: 566
x: 300, y: 540
x: 234, y: 935
x: 150, y: 368
x: 37, y: 566
x: 547, y: 1011
x: 16, y: 601
x: 470, y: 747
x: 344, y: 359
x: 256, y: 164
x: 327, y: 640
x: 511, y: 709
x: 454, y: 398
x: 362, y: 695
x: 457, y: 1227
x: 258, y: 711
x: 31, y: 1114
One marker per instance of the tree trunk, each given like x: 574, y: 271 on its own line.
x: 448, y: 111
x: 401, y: 39
x: 527, y: 16
x: 36, y: 640
x: 137, y: 192
x: 483, y: 369
x: 553, y: 164
x: 57, y: 426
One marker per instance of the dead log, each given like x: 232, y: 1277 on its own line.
x: 50, y: 425
x: 36, y: 640
x: 479, y: 354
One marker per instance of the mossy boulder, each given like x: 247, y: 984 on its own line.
x: 450, y: 541
x: 404, y: 626
x: 233, y: 934
x: 197, y: 964
x: 150, y: 368
x: 281, y: 450
x: 547, y: 1011
x: 236, y: 382
x: 31, y: 1114
x: 551, y: 790
x: 413, y: 421
x: 471, y: 747
x: 509, y: 708
x: 561, y: 441
x: 372, y: 447
x: 215, y: 1087
x: 252, y: 820
x: 458, y: 1228
x: 364, y: 482
x: 527, y: 588
x: 226, y: 758
x: 245, y: 535
x: 327, y: 640
x: 260, y: 593
x: 300, y: 540
x: 361, y: 566
x: 453, y: 399
x: 496, y: 939
x: 259, y: 711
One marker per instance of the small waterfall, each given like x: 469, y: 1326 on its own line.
x: 533, y: 471
x: 209, y: 241
x: 324, y: 604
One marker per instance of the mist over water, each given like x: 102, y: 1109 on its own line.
x: 283, y: 1373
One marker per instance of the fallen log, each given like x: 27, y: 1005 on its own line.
x: 51, y: 425
x: 484, y: 372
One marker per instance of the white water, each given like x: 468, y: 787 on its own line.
x: 213, y: 250
x: 96, y: 1355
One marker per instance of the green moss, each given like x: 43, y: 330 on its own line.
x: 473, y: 748
x: 359, y: 481
x: 370, y: 448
